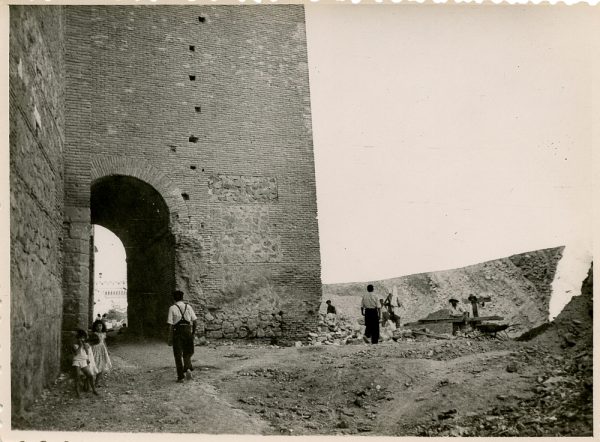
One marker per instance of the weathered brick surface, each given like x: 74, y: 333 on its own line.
x: 242, y: 189
x: 223, y: 134
x: 215, y: 143
x: 36, y: 197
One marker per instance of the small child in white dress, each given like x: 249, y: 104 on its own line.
x: 100, y: 351
x: 83, y: 362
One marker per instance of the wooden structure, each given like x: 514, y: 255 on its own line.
x: 454, y: 319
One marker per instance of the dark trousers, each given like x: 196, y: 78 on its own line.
x: 183, y: 349
x: 372, y: 325
x: 396, y: 318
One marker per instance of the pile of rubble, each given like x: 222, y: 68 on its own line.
x: 341, y: 330
x: 562, y: 401
x: 336, y: 330
x: 561, y: 404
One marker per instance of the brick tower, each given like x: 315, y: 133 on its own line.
x: 186, y: 131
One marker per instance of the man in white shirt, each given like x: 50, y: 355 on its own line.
x: 182, y: 327
x: 371, y: 310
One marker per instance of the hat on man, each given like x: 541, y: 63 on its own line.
x: 453, y: 300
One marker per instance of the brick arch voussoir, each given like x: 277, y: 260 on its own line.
x: 144, y: 171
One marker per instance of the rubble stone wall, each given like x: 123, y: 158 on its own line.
x: 36, y: 140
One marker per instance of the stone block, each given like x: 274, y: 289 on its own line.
x: 228, y: 328
x: 77, y: 214
x: 210, y: 326
x: 70, y: 321
x: 79, y: 246
x: 247, y: 247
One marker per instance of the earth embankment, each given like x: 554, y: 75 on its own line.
x: 519, y: 286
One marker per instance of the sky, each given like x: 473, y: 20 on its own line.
x: 109, y: 256
x: 445, y: 137
x: 449, y: 136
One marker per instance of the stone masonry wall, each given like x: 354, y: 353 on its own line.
x: 213, y: 100
x: 36, y: 197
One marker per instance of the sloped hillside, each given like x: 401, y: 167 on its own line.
x: 519, y: 287
x: 573, y: 327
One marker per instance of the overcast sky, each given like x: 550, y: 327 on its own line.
x: 447, y: 136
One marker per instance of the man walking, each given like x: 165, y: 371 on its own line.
x: 371, y: 311
x: 182, y: 327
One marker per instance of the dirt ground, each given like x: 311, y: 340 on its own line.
x: 458, y: 386
x: 425, y: 387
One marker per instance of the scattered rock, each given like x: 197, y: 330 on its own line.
x: 447, y: 414
x: 570, y: 339
x: 201, y: 341
x: 512, y: 367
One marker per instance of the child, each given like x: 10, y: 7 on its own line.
x: 83, y: 362
x: 99, y: 350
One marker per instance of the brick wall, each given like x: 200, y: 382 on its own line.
x: 36, y: 197
x: 210, y: 106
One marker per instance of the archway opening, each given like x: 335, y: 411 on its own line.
x: 137, y: 214
x: 109, y: 282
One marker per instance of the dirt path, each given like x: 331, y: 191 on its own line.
x: 141, y: 394
x: 389, y: 389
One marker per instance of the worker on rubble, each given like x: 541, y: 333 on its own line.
x: 330, y: 307
x: 457, y: 310
x: 331, y: 315
x: 385, y: 314
x: 370, y: 309
x: 393, y: 303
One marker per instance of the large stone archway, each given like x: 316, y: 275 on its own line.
x: 103, y: 166
x: 124, y: 194
x: 139, y: 216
